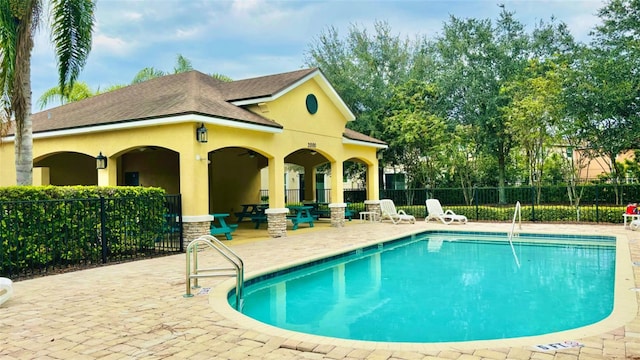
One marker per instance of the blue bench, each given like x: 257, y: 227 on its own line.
x: 302, y: 214
x: 348, y: 213
x: 220, y: 226
x: 258, y: 219
x: 250, y: 210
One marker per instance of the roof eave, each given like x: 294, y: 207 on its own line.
x: 346, y: 140
x: 167, y: 120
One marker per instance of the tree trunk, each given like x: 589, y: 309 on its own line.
x: 502, y: 196
x: 21, y: 104
x: 24, y: 153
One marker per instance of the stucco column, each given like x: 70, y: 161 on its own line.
x: 194, y: 187
x: 41, y: 176
x: 108, y: 176
x: 373, y: 183
x: 337, y: 184
x: 276, y: 183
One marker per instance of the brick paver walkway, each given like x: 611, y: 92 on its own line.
x: 137, y: 310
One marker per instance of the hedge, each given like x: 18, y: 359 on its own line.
x: 46, y: 227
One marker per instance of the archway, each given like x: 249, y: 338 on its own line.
x: 66, y: 168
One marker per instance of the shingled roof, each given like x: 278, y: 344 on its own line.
x: 186, y: 93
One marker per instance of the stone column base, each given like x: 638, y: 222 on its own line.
x: 337, y: 214
x: 195, y: 226
x: 373, y: 206
x: 277, y: 222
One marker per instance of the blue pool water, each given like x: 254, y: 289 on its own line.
x: 441, y: 287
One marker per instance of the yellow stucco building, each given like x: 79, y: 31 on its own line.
x: 203, y: 138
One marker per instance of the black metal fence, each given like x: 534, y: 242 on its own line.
x: 44, y: 237
x: 597, y: 202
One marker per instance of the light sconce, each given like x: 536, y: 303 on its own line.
x: 313, y: 152
x: 379, y: 155
x: 101, y: 161
x: 201, y: 134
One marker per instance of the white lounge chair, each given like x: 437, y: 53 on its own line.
x: 6, y: 289
x: 434, y: 210
x: 389, y: 212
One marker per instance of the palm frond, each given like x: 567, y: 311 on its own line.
x: 8, y: 43
x: 71, y: 31
x: 147, y: 73
x: 182, y: 65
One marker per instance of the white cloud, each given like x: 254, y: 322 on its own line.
x: 132, y: 16
x: 247, y: 7
x: 103, y: 44
x: 245, y: 38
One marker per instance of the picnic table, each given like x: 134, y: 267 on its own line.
x: 300, y: 214
x: 219, y: 226
x: 321, y: 210
x: 250, y: 210
x: 253, y: 212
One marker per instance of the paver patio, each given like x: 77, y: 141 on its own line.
x: 136, y: 310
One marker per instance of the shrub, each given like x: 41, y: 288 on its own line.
x: 49, y: 226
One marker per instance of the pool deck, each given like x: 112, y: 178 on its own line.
x: 136, y: 310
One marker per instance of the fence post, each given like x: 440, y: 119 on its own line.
x: 533, y: 203
x: 475, y: 199
x: 597, y: 209
x: 103, y: 229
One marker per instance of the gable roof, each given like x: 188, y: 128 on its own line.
x: 186, y: 93
x: 189, y: 93
x: 262, y: 87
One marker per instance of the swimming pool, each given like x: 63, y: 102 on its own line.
x: 466, y: 288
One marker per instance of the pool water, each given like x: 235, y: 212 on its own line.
x: 441, y: 287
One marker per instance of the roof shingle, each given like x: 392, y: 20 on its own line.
x: 186, y: 93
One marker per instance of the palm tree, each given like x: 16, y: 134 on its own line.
x: 182, y: 65
x: 71, y: 28
x: 80, y: 90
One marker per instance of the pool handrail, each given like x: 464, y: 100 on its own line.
x: 516, y: 213
x: 233, y: 258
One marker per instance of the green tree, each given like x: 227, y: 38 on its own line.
x: 182, y: 65
x: 221, y: 77
x: 410, y: 118
x: 78, y: 91
x: 533, y: 114
x: 464, y: 159
x: 71, y: 28
x: 603, y: 89
x: 476, y: 59
x: 364, y: 68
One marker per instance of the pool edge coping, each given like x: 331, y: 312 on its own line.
x: 625, y: 307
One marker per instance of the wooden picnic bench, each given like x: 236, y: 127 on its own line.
x: 220, y: 226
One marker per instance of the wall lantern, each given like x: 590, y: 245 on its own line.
x: 101, y: 161
x: 201, y: 134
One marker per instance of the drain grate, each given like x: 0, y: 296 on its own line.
x: 204, y: 291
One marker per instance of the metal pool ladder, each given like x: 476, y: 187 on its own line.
x: 195, y: 272
x: 517, y: 214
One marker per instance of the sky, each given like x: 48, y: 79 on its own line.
x: 248, y: 38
